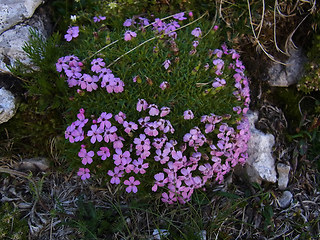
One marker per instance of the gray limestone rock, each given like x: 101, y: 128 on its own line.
x: 283, y: 173
x: 285, y: 199
x: 280, y: 75
x: 13, y: 12
x: 260, y: 163
x: 7, y: 105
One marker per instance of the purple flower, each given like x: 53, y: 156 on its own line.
x: 132, y: 183
x: 129, y: 126
x: 195, y: 44
x: 196, y: 32
x: 151, y: 129
x: 164, y: 111
x: 97, y: 64
x: 144, y: 21
x: 98, y: 19
x: 142, y: 143
x: 216, y: 27
x: 218, y: 83
x: 85, y: 156
x: 128, y: 22
x: 104, y: 153
x: 72, y: 32
x: 121, y: 158
x: 154, y: 110
x: 179, y: 16
x: 89, y: 83
x: 110, y: 134
x: 142, y: 105
x: 139, y: 166
x: 84, y: 173
x: 166, y: 63
x: 95, y: 134
x: 188, y: 114
x: 164, y: 85
x: 120, y: 117
x: 116, y: 174
x: 104, y: 120
x: 128, y: 35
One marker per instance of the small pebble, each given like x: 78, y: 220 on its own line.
x: 285, y: 199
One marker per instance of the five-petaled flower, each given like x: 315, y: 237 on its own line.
x: 128, y: 35
x: 72, y: 32
x: 132, y: 185
x: 83, y: 173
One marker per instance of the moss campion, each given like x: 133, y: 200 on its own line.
x: 165, y: 112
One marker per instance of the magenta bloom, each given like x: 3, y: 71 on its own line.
x: 179, y: 16
x: 132, y: 183
x: 129, y: 126
x: 84, y: 173
x: 128, y: 35
x: 72, y: 32
x: 98, y: 19
x: 97, y: 64
x: 95, y: 134
x: 164, y: 85
x: 89, y: 83
x: 142, y: 105
x: 188, y: 114
x: 216, y: 27
x: 86, y: 156
x: 142, y: 143
x: 164, y: 111
x: 120, y: 117
x: 139, y: 166
x: 196, y: 32
x: 128, y: 22
x: 104, y: 153
x: 110, y: 134
x: 166, y: 63
x: 116, y: 174
x: 104, y: 120
x: 154, y: 111
x: 151, y: 129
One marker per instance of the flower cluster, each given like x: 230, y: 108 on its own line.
x: 72, y: 68
x: 148, y: 147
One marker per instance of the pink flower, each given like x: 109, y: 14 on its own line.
x: 142, y: 143
x: 196, y: 32
x: 104, y: 153
x: 103, y: 120
x: 110, y: 134
x: 142, y: 105
x: 164, y: 111
x: 166, y: 63
x: 164, y: 85
x: 154, y: 111
x: 89, y: 83
x: 139, y: 166
x: 121, y: 158
x: 162, y: 156
x: 129, y: 126
x: 84, y: 173
x: 95, y: 134
x: 132, y: 183
x: 72, y: 32
x: 97, y: 65
x: 195, y: 44
x: 86, y: 156
x: 116, y: 174
x: 120, y: 117
x: 151, y: 129
x: 128, y: 35
x: 160, y: 181
x: 179, y: 16
x: 128, y: 22
x: 117, y: 144
x: 188, y: 114
x: 190, y: 14
x: 216, y: 27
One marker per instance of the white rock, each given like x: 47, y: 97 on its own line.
x: 260, y: 163
x: 285, y: 199
x: 283, y: 172
x: 12, y: 41
x: 159, y: 233
x: 280, y: 75
x: 13, y: 12
x: 7, y: 105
